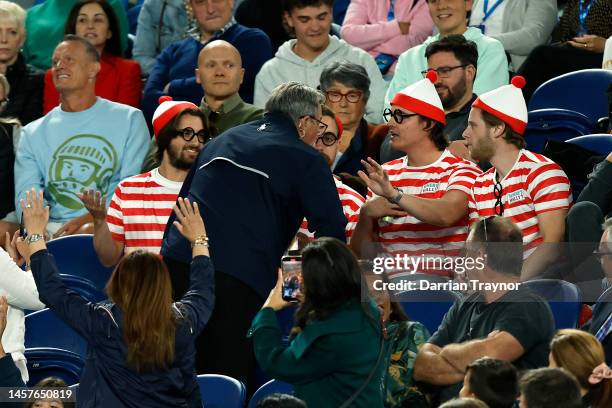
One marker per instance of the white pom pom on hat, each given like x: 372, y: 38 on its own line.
x: 506, y: 103
x: 167, y: 110
x: 422, y: 98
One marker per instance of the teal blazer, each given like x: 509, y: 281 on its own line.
x: 329, y: 360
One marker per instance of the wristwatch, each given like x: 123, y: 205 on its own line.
x: 396, y: 199
x: 33, y: 238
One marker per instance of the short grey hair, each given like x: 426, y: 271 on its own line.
x: 10, y: 11
x: 295, y: 100
x: 347, y: 74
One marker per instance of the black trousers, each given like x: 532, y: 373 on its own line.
x: 549, y: 61
x: 222, y: 347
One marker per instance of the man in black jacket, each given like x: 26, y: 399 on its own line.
x: 255, y: 183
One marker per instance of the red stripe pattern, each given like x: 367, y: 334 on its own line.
x: 351, y: 204
x: 139, y: 210
x: 409, y: 235
x: 533, y: 186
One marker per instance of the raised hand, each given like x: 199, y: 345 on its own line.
x: 35, y: 212
x: 189, y: 221
x: 376, y: 179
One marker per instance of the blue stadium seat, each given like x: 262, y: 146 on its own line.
x: 600, y: 143
x: 83, y: 287
x: 564, y: 298
x: 75, y: 255
x: 556, y: 124
x: 581, y: 91
x: 44, y: 329
x: 428, y: 306
x: 269, y: 388
x: 52, y: 362
x: 221, y: 391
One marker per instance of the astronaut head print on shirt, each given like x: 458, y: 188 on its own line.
x: 82, y: 162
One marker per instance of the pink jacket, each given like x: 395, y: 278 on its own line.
x: 366, y: 25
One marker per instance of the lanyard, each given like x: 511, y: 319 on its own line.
x: 488, y: 11
x: 391, y: 13
x: 583, y: 12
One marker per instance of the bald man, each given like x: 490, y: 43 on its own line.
x: 220, y: 74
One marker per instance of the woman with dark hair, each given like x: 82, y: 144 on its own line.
x: 336, y: 353
x: 141, y: 350
x: 119, y: 78
x: 405, y: 339
x: 346, y: 87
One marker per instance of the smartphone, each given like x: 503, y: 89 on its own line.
x: 23, y: 233
x: 291, y: 266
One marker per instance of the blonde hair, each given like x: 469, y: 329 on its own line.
x: 12, y: 12
x: 579, y: 353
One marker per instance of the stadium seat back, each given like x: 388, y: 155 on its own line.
x: 46, y: 362
x: 221, y: 391
x: 555, y: 124
x: 269, y: 388
x: 600, y: 143
x: 564, y: 298
x: 428, y: 306
x: 45, y: 329
x: 582, y: 91
x: 75, y: 255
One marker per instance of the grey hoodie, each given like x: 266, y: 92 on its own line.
x: 288, y: 66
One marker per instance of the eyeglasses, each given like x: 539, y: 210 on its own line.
x: 351, y: 96
x: 397, y: 115
x: 327, y: 138
x: 321, y: 127
x: 443, y: 72
x: 497, y: 193
x: 188, y: 134
x: 600, y: 254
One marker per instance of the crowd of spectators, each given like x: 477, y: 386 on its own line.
x: 345, y: 129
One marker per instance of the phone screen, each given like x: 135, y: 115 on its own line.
x: 292, y: 277
x: 22, y: 229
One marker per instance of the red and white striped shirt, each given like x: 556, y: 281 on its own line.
x: 139, y: 210
x: 351, y: 204
x: 534, y: 185
x: 410, y: 236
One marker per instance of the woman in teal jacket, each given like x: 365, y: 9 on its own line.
x: 336, y: 356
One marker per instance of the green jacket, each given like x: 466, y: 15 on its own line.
x: 329, y: 360
x: 233, y: 112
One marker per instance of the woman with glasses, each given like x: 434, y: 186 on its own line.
x: 119, y: 78
x: 347, y: 88
x: 140, y: 208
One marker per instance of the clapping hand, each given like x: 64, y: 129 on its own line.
x: 17, y: 248
x: 95, y: 203
x: 189, y: 221
x: 376, y: 179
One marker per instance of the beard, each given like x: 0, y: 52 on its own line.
x: 177, y: 160
x: 483, y: 150
x: 454, y: 94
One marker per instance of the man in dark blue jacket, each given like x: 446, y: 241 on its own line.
x: 255, y: 184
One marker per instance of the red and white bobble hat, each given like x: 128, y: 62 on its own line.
x: 167, y: 110
x: 506, y: 103
x: 422, y: 98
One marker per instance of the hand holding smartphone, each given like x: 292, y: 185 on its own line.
x: 292, y: 277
